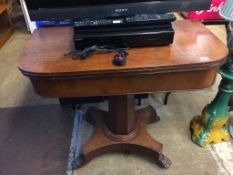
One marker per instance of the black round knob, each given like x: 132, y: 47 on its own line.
x: 119, y: 60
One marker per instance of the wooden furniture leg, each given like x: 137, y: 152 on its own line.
x: 122, y: 129
x: 6, y: 27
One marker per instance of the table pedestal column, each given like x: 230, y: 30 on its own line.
x: 122, y: 129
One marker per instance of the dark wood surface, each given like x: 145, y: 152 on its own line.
x: 121, y: 106
x: 123, y: 84
x: 194, y: 47
x: 141, y: 142
x: 6, y: 27
x: 191, y: 62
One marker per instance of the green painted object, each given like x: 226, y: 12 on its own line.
x: 212, y: 125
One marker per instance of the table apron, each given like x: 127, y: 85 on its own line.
x: 107, y: 86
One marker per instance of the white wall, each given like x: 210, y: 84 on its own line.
x: 30, y: 25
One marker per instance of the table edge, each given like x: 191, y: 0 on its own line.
x: 127, y: 72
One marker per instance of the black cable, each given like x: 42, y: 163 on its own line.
x: 82, y: 54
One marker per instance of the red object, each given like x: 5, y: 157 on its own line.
x: 211, y: 14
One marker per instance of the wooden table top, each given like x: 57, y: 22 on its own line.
x: 194, y: 48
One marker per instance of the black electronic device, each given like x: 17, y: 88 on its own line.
x: 135, y: 31
x: 104, y: 9
x: 134, y: 36
x: 136, y: 20
x: 121, y: 23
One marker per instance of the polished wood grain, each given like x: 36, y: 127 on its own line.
x: 6, y: 27
x: 121, y: 106
x: 142, y: 143
x: 124, y: 84
x: 191, y: 62
x: 2, y: 7
x: 194, y: 47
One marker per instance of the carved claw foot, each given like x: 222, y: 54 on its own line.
x: 142, y: 143
x: 163, y: 161
x: 151, y: 113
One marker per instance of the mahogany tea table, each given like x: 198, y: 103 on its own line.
x: 191, y: 62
